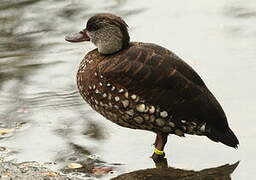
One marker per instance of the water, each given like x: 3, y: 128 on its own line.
x: 38, y: 93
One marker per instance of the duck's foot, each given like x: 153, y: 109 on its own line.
x: 158, y: 155
x: 159, y: 160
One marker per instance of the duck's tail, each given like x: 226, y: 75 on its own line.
x: 226, y: 136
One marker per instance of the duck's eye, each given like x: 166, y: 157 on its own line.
x: 92, y: 27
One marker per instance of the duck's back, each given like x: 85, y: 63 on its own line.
x: 156, y: 89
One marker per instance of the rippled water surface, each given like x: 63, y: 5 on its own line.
x: 47, y: 120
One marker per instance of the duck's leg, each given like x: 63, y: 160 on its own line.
x: 158, y: 155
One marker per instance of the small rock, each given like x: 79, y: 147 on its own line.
x: 2, y: 148
x: 75, y: 166
x: 101, y: 170
x: 6, y: 131
x: 50, y: 173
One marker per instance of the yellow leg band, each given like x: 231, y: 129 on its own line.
x: 158, y: 152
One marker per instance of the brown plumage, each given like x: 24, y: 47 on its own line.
x: 145, y: 86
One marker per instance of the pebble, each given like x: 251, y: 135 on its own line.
x: 75, y: 166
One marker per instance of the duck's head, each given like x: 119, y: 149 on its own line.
x: 108, y: 32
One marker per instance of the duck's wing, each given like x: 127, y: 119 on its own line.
x: 173, y: 61
x: 161, y: 80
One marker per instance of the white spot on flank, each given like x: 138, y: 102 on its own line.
x: 183, y: 121
x: 97, y: 91
x: 152, y: 118
x: 138, y: 119
x: 100, y: 84
x: 93, y: 86
x: 171, y: 124
x: 152, y: 109
x: 163, y: 114
x: 130, y: 112
x: 117, y: 98
x: 137, y: 99
x: 133, y: 96
x: 113, y: 88
x: 95, y: 74
x: 121, y: 90
x: 167, y: 129
x: 125, y: 103
x: 141, y: 107
x: 104, y: 95
x: 184, y: 128
x: 109, y: 96
x: 108, y: 84
x: 90, y: 87
x: 101, y: 76
x: 121, y: 112
x: 146, y: 117
x: 193, y: 123
x: 202, y: 128
x: 126, y: 94
x: 160, y: 122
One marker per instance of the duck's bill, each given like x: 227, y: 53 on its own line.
x: 78, y: 37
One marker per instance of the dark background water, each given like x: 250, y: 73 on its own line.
x: 47, y: 119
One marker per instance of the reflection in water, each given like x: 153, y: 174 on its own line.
x: 244, y: 15
x: 161, y: 163
x: 216, y: 173
x: 79, y: 155
x: 241, y: 10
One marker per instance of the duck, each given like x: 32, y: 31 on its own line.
x: 145, y: 86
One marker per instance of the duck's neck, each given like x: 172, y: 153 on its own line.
x: 115, y: 44
x: 105, y: 47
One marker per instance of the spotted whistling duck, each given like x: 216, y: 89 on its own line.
x: 145, y: 86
